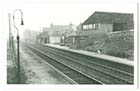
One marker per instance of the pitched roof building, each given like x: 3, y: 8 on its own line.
x: 109, y: 17
x: 99, y: 24
x: 60, y: 30
x: 119, y: 21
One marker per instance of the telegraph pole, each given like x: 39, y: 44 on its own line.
x: 9, y: 30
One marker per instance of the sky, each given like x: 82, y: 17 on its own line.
x: 41, y: 13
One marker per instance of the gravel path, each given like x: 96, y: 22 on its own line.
x: 38, y: 71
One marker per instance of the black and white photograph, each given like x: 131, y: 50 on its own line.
x: 66, y: 43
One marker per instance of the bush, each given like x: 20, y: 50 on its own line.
x: 12, y: 75
x: 119, y: 45
x: 96, y: 42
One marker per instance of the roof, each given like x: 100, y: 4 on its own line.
x: 72, y: 34
x: 61, y: 27
x: 45, y: 34
x: 59, y: 30
x: 108, y: 17
x: 45, y: 29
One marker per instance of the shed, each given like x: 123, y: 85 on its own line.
x: 75, y: 41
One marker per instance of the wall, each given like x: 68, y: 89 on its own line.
x: 72, y: 42
x: 105, y: 28
x: 121, y: 33
x: 55, y: 39
x: 77, y: 42
x: 101, y: 28
x: 123, y: 26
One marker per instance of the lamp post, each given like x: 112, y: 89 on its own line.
x: 18, y: 38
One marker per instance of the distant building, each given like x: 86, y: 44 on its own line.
x: 75, y: 40
x: 27, y: 35
x: 104, y: 22
x: 30, y: 36
x: 45, y: 36
x: 55, y: 34
x: 58, y: 32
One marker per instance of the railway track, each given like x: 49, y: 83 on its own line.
x: 85, y: 70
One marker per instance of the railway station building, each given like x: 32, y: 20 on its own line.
x: 55, y: 34
x: 59, y: 32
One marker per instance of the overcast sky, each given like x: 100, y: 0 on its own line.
x: 41, y: 13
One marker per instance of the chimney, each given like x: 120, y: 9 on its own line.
x: 70, y: 24
x: 51, y: 25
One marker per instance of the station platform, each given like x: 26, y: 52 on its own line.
x: 93, y: 54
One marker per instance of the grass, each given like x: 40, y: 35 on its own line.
x: 12, y: 75
x: 119, y: 44
x: 12, y: 72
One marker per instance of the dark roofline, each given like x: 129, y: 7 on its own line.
x: 111, y: 12
x: 105, y: 13
x: 88, y: 17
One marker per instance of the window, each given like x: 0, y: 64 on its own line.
x: 90, y: 26
x: 94, y: 26
x: 73, y: 40
x: 85, y: 26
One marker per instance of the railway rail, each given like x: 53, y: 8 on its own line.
x: 85, y: 69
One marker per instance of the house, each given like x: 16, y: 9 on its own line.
x: 58, y: 32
